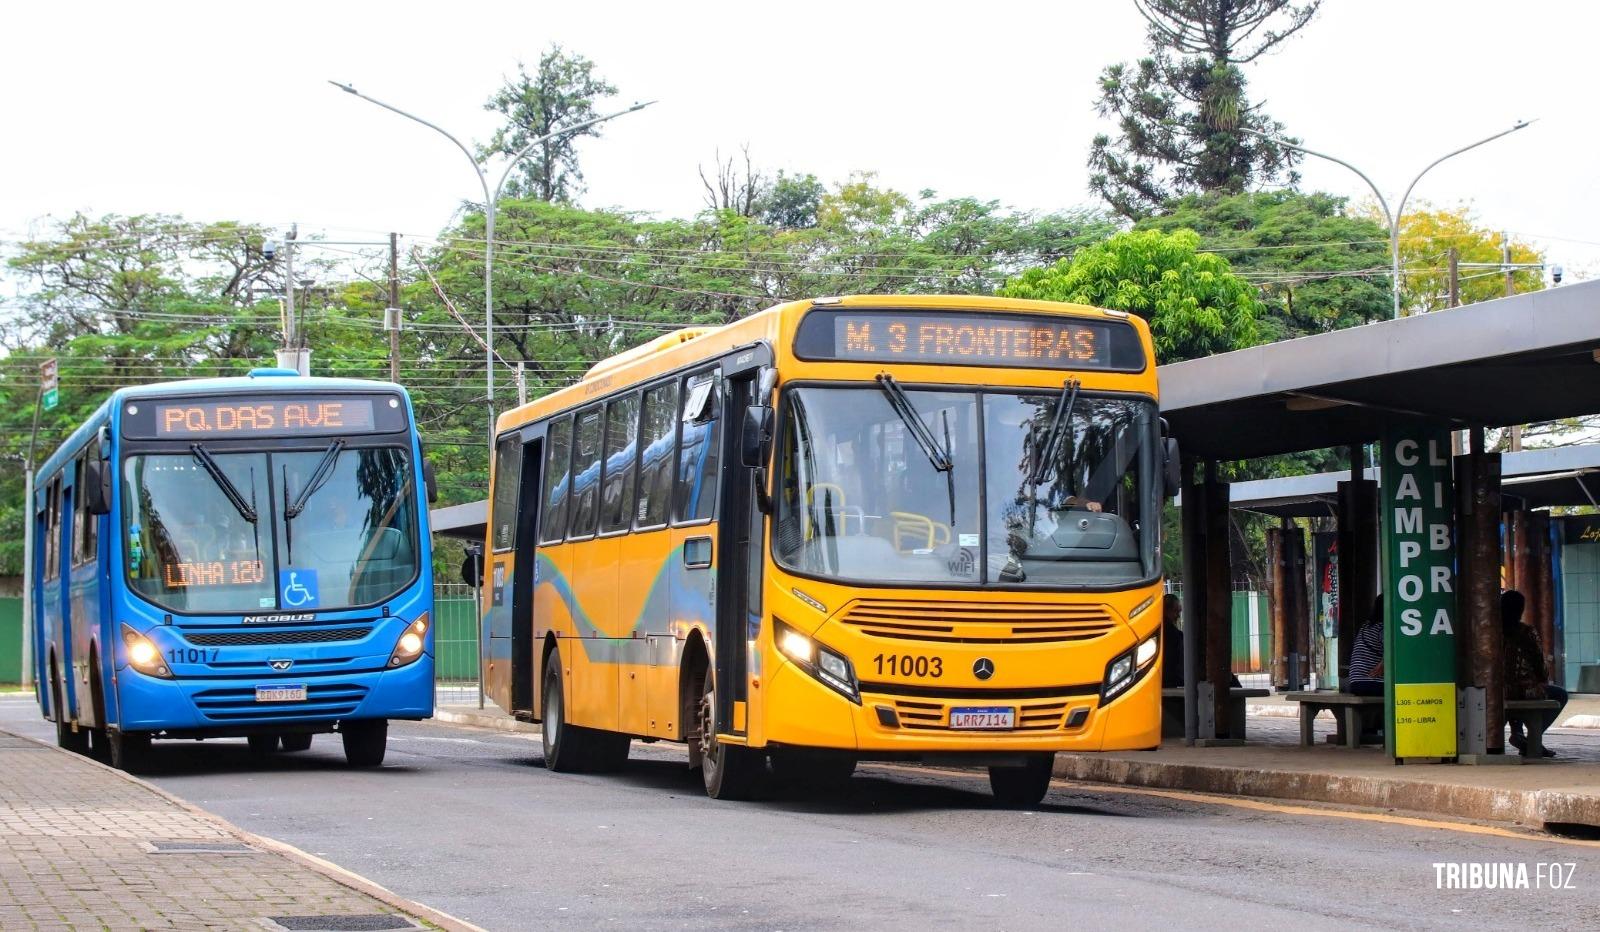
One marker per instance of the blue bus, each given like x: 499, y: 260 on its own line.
x: 236, y: 557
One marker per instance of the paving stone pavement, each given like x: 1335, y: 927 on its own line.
x: 80, y: 849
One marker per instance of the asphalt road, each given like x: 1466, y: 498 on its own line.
x: 470, y: 822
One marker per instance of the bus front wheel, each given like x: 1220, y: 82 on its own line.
x: 365, y: 741
x: 570, y: 748
x: 126, y: 752
x: 730, y: 771
x: 295, y: 742
x: 1022, y: 787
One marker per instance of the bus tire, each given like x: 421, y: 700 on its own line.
x: 570, y: 748
x: 127, y: 752
x: 1022, y: 787
x: 730, y: 771
x: 804, y: 770
x: 75, y: 741
x: 263, y: 744
x: 365, y: 741
x: 295, y: 742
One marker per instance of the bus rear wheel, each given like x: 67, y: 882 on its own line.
x: 730, y: 771
x: 295, y: 742
x: 77, y: 741
x: 365, y: 741
x: 571, y: 748
x: 1022, y: 787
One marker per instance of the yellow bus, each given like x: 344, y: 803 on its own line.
x: 886, y: 527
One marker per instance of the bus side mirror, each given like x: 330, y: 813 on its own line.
x: 97, y: 487
x: 471, y: 569
x: 756, y: 439
x: 1172, y: 466
x: 429, y: 481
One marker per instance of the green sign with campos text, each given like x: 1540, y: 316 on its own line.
x: 1419, y: 598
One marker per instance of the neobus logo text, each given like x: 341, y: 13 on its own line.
x: 276, y: 619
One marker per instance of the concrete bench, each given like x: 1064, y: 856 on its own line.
x: 1530, y: 712
x: 1346, y: 709
x: 1172, y: 710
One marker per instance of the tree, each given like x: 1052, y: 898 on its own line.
x: 1426, y: 237
x: 562, y: 91
x: 1181, y: 112
x: 791, y: 202
x: 1317, y: 266
x: 1193, y: 301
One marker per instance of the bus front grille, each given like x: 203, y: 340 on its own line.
x: 920, y: 715
x: 256, y: 638
x: 238, y: 704
x: 979, y: 622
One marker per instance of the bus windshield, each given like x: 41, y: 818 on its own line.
x: 858, y: 498
x: 191, y: 547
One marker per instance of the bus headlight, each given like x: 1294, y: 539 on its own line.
x: 828, y: 667
x: 1128, y: 668
x: 143, y: 655
x: 411, y: 642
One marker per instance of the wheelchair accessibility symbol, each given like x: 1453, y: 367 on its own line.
x: 298, y: 588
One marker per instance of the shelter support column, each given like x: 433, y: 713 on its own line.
x: 1193, y: 533
x: 1358, y: 547
x: 1542, y: 601
x: 1297, y: 608
x: 1219, y: 599
x: 1277, y: 599
x: 1481, y: 649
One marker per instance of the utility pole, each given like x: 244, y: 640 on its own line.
x: 1455, y: 277
x: 391, y: 317
x: 293, y: 355
x: 1511, y: 289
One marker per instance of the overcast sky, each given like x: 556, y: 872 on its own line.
x: 221, y: 110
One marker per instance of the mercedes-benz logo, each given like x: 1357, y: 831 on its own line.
x: 983, y: 668
x: 280, y: 664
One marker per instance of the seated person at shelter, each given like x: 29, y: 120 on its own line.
x: 1366, y: 656
x: 1171, y: 643
x: 1526, y: 676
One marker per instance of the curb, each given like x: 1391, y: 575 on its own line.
x: 495, y: 721
x: 1537, y: 808
x: 327, y: 869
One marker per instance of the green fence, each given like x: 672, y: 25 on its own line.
x: 1252, y: 633
x: 10, y: 641
x: 455, y: 639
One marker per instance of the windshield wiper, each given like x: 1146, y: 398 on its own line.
x: 247, y: 510
x: 319, y: 477
x: 1063, y: 415
x: 939, y: 456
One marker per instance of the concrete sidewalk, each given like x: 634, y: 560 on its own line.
x: 83, y: 846
x: 1558, y: 794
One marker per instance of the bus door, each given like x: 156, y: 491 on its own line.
x: 46, y: 624
x: 739, y: 543
x: 69, y: 655
x: 500, y: 569
x: 530, y: 497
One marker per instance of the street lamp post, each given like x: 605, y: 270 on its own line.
x: 491, y: 201
x: 1392, y: 217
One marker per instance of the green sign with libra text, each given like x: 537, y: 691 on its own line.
x: 1419, y: 597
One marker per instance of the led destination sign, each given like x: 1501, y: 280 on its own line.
x: 973, y: 339
x: 258, y: 416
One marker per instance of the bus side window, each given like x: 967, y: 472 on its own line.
x: 660, y: 420
x: 621, y: 459
x: 52, y: 529
x: 507, y: 473
x: 557, y: 482
x: 585, y: 473
x: 696, y: 497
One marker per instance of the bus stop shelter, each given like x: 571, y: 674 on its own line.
x: 1517, y: 360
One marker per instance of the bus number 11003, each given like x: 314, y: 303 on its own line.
x: 908, y: 665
